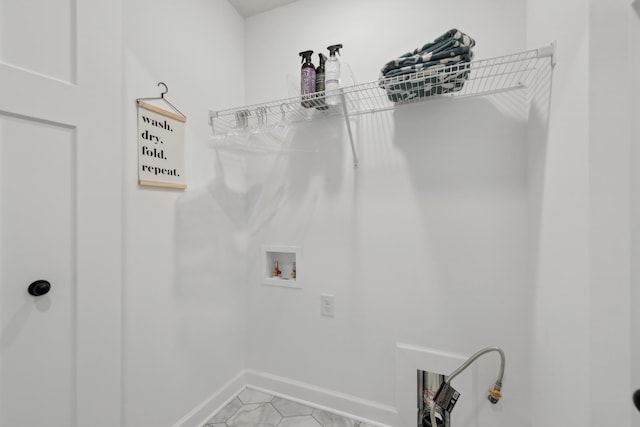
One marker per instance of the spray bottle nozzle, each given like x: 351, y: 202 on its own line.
x: 333, y: 49
x: 306, y: 55
x: 323, y: 59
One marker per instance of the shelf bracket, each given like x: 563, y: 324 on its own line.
x: 345, y: 110
x: 550, y: 51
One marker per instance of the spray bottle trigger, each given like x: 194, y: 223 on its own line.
x: 333, y: 49
x: 306, y: 55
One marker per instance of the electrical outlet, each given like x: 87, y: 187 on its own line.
x: 326, y: 305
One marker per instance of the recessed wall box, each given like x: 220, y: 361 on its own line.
x: 429, y: 383
x: 282, y: 266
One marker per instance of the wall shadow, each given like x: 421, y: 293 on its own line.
x: 539, y: 120
x: 286, y: 186
x: 467, y: 163
x: 210, y: 234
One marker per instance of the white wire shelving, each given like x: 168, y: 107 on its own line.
x: 476, y: 78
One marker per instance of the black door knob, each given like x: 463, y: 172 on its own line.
x: 39, y: 287
x: 636, y: 399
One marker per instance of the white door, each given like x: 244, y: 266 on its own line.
x: 60, y: 212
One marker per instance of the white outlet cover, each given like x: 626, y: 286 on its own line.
x: 327, y: 306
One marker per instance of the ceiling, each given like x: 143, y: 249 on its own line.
x: 249, y: 8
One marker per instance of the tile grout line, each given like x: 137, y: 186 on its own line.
x: 312, y: 415
x: 274, y: 407
x: 238, y: 410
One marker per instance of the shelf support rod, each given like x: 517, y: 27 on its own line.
x: 348, y: 122
x: 212, y: 115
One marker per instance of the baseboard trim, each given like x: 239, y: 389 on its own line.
x: 307, y: 394
x: 339, y: 403
x: 199, y: 415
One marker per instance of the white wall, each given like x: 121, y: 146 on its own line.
x: 376, y: 31
x: 426, y: 243
x: 559, y: 180
x: 580, y: 190
x: 488, y: 235
x: 184, y: 276
x: 635, y: 207
x: 610, y: 196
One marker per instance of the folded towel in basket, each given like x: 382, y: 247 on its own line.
x: 451, y: 43
x: 410, y: 69
x: 436, y: 81
x: 435, y: 64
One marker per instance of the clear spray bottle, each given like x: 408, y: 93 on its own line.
x: 332, y: 75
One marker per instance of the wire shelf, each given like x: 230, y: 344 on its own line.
x: 476, y: 78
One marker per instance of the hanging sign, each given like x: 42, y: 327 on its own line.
x: 160, y: 147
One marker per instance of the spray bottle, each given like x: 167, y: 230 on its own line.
x: 332, y: 80
x: 307, y: 79
x: 320, y: 102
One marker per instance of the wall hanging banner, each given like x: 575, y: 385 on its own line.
x: 160, y: 147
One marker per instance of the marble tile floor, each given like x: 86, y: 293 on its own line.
x: 253, y: 408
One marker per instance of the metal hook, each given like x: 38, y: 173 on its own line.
x: 261, y: 112
x: 282, y: 110
x: 166, y: 89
